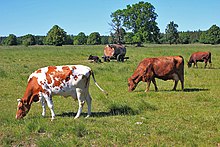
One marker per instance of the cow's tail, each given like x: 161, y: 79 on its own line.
x: 93, y: 77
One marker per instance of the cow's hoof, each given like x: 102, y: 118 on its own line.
x: 87, y: 116
x: 53, y: 118
x: 76, y: 117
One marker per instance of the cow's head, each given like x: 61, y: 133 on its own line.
x: 189, y: 64
x: 23, y: 109
x: 90, y: 57
x: 131, y: 84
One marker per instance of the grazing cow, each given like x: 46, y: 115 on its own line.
x: 200, y: 57
x: 165, y: 68
x: 68, y: 80
x: 94, y: 58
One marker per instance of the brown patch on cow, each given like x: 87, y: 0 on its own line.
x: 32, y: 90
x: 73, y: 67
x: 61, y: 76
x: 75, y: 77
x: 38, y: 71
x: 51, y: 69
x: 49, y: 80
x: 65, y: 68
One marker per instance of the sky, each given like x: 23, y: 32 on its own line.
x: 37, y: 17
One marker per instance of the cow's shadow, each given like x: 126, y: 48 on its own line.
x: 207, y: 68
x: 125, y: 110
x: 178, y: 90
x: 195, y: 89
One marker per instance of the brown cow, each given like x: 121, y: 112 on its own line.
x: 165, y: 68
x: 200, y: 57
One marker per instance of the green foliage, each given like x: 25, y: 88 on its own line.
x: 104, y: 40
x: 10, y: 40
x: 69, y: 40
x: 129, y: 38
x: 184, y: 38
x: 94, y: 39
x: 213, y: 34
x: 28, y: 40
x: 39, y: 40
x: 56, y: 36
x: 172, y: 33
x: 80, y: 39
x: 140, y: 18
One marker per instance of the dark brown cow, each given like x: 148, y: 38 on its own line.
x: 200, y: 57
x: 165, y: 68
x: 95, y: 59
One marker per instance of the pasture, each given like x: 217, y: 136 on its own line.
x: 164, y: 118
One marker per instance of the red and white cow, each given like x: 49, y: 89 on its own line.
x: 68, y: 80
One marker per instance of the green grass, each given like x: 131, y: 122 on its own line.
x: 163, y: 118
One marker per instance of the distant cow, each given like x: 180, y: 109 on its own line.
x: 200, y: 57
x: 165, y: 68
x: 68, y: 80
x: 114, y: 51
x: 94, y: 58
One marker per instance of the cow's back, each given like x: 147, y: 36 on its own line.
x: 60, y: 79
x: 164, y: 67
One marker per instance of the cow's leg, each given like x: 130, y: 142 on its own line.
x: 49, y: 101
x: 176, y: 79
x: 205, y: 63
x: 195, y: 64
x: 155, y: 85
x: 148, y: 86
x: 43, y: 106
x: 182, y: 81
x: 175, y: 85
x: 88, y: 101
x: 81, y: 101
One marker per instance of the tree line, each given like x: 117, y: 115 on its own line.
x: 136, y: 24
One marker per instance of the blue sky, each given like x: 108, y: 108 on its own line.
x: 21, y: 17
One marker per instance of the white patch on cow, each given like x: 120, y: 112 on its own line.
x: 76, y: 86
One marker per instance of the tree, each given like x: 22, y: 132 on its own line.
x: 104, y: 40
x: 128, y: 38
x: 39, y: 40
x: 213, y: 34
x: 56, y: 36
x: 94, y: 38
x: 80, y: 39
x: 203, y: 38
x: 184, y: 38
x: 140, y: 18
x: 11, y: 40
x: 172, y: 33
x: 116, y: 24
x: 69, y: 40
x: 28, y: 40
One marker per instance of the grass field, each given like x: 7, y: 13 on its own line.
x: 163, y: 118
